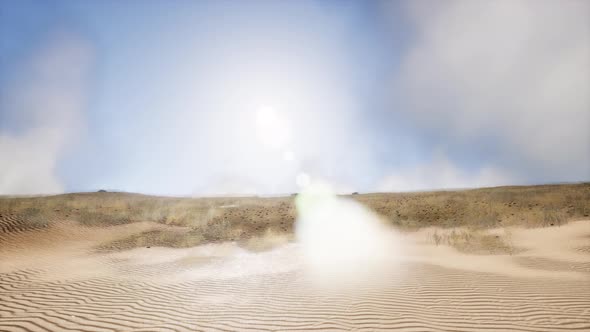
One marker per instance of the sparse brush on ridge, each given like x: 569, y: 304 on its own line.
x: 528, y: 206
x: 221, y: 219
x: 475, y: 241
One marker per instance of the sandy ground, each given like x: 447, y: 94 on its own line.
x: 55, y: 280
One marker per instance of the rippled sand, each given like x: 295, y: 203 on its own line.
x: 54, y: 279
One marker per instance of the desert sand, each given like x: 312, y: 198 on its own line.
x: 55, y: 279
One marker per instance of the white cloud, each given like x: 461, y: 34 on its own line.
x: 515, y: 72
x: 442, y: 174
x: 46, y: 100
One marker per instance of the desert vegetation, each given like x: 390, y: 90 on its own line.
x: 528, y: 206
x: 476, y: 241
x: 465, y: 213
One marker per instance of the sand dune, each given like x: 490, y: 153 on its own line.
x: 54, y: 279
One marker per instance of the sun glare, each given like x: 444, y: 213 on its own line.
x: 272, y: 129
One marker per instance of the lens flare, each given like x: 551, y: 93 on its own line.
x: 288, y: 156
x: 302, y: 180
x: 272, y: 129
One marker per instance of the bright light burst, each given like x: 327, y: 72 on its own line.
x: 288, y: 155
x: 343, y: 241
x: 272, y: 128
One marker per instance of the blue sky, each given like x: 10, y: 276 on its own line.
x: 218, y: 97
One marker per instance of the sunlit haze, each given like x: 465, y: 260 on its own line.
x: 341, y: 238
x: 255, y: 97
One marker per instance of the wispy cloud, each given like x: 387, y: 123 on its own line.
x: 514, y: 73
x: 45, y: 103
x: 244, y: 97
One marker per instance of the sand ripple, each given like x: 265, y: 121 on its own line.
x: 127, y: 292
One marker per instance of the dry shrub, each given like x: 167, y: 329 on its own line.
x: 530, y: 206
x: 242, y: 218
x: 475, y: 241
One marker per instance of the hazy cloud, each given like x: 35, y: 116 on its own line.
x: 44, y: 104
x: 441, y: 173
x: 189, y: 103
x: 516, y: 73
